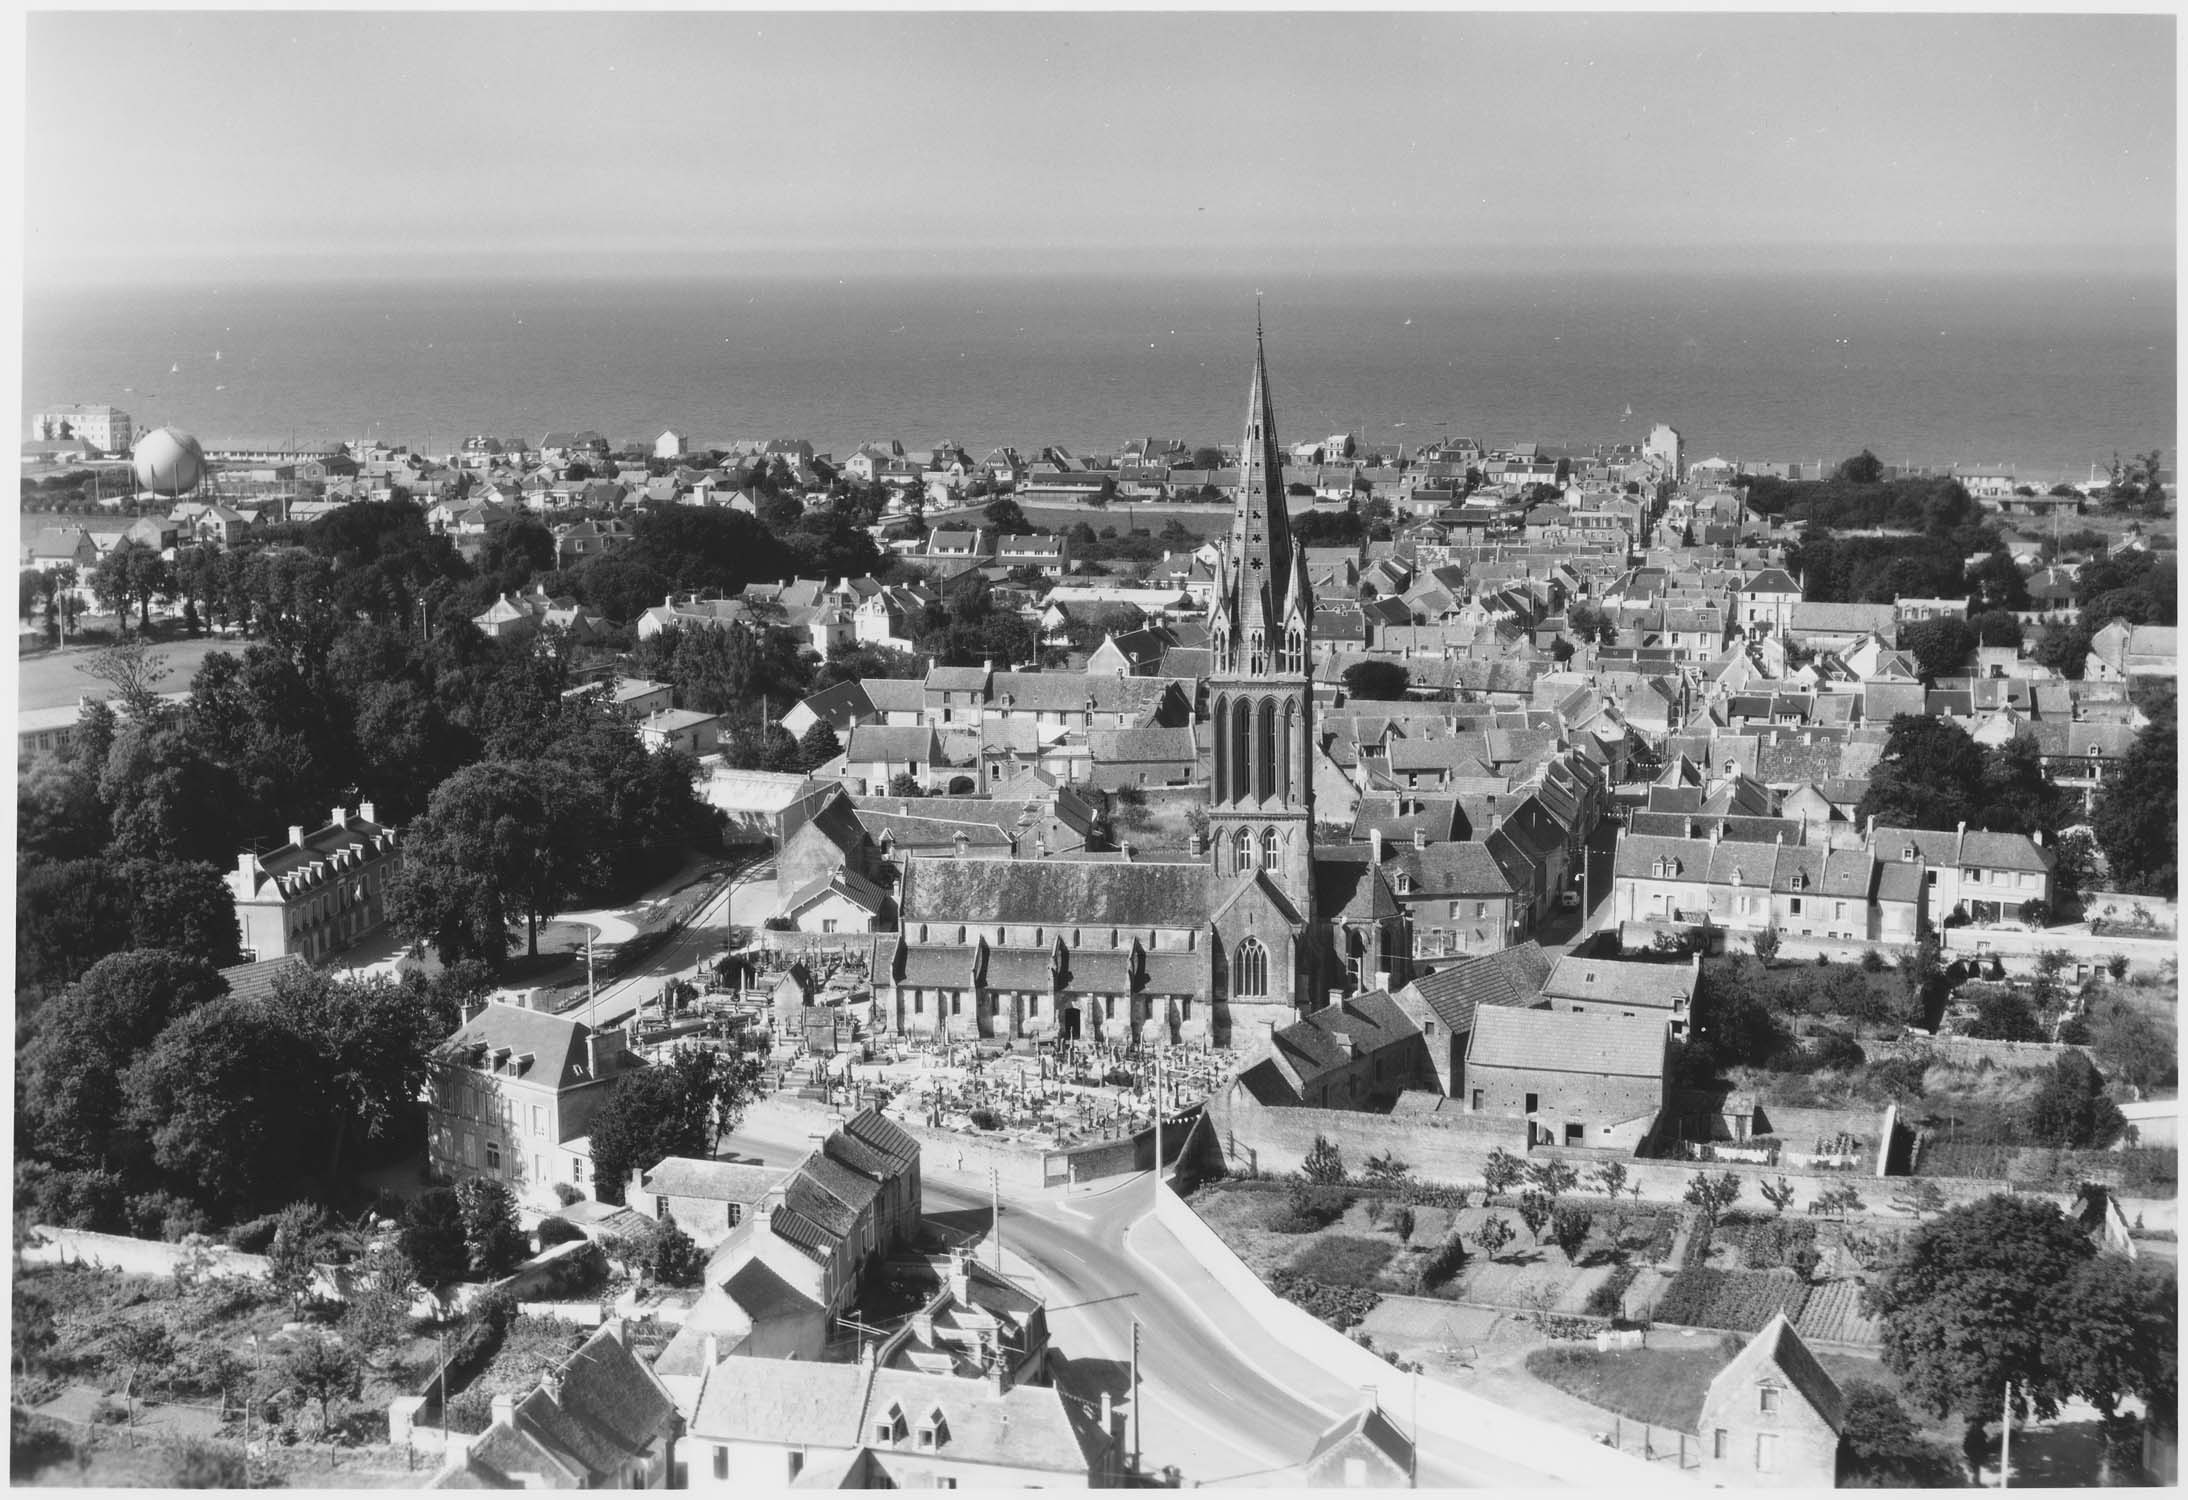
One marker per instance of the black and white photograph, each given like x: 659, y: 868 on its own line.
x: 1003, y: 749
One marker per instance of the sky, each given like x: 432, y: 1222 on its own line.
x: 178, y: 144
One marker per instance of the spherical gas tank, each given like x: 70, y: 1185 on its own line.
x: 168, y: 462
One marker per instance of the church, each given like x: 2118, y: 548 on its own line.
x: 1258, y: 930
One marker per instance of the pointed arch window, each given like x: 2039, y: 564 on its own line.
x: 1265, y: 750
x: 1269, y: 850
x: 1295, y: 649
x: 1250, y: 970
x: 1243, y: 860
x: 1223, y: 725
x: 1258, y: 654
x: 1242, y: 716
x: 1284, y: 787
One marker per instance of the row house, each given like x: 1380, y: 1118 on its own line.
x: 1846, y: 894
x: 512, y: 615
x: 1456, y: 898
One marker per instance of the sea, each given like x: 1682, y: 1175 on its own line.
x: 2049, y: 373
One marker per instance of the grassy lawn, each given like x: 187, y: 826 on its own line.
x: 52, y: 679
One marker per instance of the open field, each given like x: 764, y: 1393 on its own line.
x: 52, y: 679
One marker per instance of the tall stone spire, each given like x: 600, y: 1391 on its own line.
x: 1261, y: 531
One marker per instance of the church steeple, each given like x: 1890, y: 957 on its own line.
x: 1263, y: 610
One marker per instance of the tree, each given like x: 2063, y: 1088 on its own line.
x: 2136, y: 812
x: 1779, y: 1194
x: 1501, y: 1171
x: 1591, y: 622
x: 1711, y: 1196
x: 680, y: 1107
x: 2133, y: 1044
x: 1942, y: 647
x: 1005, y: 515
x: 224, y: 1099
x: 381, y: 1284
x: 674, y: 1258
x: 1376, y: 681
x: 1534, y: 1211
x: 1765, y: 944
x: 2005, y: 1016
x: 1863, y: 468
x: 1324, y: 1162
x: 1493, y: 1234
x: 1972, y: 1304
x: 819, y: 745
x: 2118, y: 1334
x: 1996, y: 585
x: 492, y: 1242
x: 1996, y: 628
x: 326, y: 1370
x: 293, y: 1254
x: 1553, y: 1178
x: 140, y: 1350
x: 1387, y: 1169
x: 2070, y: 1109
x: 431, y: 1238
x: 1879, y: 1444
x: 498, y: 841
x: 1569, y: 1227
x: 1610, y: 1176
x: 131, y: 573
x: 905, y: 784
x: 1929, y: 775
x: 135, y: 674
x: 371, y: 1040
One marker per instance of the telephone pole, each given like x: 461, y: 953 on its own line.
x: 1136, y: 1455
x: 995, y: 1198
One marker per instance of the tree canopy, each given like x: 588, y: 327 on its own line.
x: 680, y: 1107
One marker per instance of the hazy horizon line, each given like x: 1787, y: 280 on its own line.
x: 1714, y: 260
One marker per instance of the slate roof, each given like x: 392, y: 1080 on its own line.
x: 1568, y: 1042
x: 1087, y: 893
x: 1370, y: 1423
x: 729, y: 1181
x: 609, y: 1411
x: 1657, y: 986
x: 892, y: 742
x: 1348, y: 888
x: 1509, y: 977
x: 1779, y: 1346
x: 256, y: 981
x: 1448, y: 869
x: 556, y: 1045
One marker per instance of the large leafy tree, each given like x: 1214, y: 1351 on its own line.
x: 369, y: 1039
x: 1973, y: 1304
x: 1941, y: 647
x: 681, y: 1107
x: 226, y: 1099
x: 1932, y: 774
x: 68, y: 915
x: 498, y: 842
x: 2120, y: 1335
x: 2137, y: 813
x: 2069, y: 1108
x: 69, y: 1073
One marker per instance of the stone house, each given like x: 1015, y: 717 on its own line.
x: 600, y: 1420
x: 705, y: 1199
x: 1359, y: 1053
x: 319, y: 891
x: 1445, y: 1004
x: 512, y: 1094
x: 1772, y: 1417
x: 1363, y: 1451
x: 1577, y: 1079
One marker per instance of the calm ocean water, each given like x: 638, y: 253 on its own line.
x: 2048, y: 373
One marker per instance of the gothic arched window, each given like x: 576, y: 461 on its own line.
x: 1223, y: 726
x: 1242, y: 728
x: 1258, y: 654
x: 1295, y: 650
x: 1243, y: 862
x: 1265, y: 749
x: 1284, y: 740
x: 1268, y: 850
x: 1250, y: 970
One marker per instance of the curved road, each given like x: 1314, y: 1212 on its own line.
x: 1220, y: 1414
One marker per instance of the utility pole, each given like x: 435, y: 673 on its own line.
x: 1136, y: 1455
x: 2005, y: 1440
x: 1158, y: 1128
x: 995, y: 1198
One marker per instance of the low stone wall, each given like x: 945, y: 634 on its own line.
x: 85, y: 1247
x: 2016, y: 948
x: 1967, y: 1051
x: 1443, y: 1147
x: 1442, y: 1411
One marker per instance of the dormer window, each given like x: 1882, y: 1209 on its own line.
x: 1906, y: 855
x: 890, y: 1429
x: 934, y: 1431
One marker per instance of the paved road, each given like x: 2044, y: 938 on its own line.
x: 747, y: 898
x: 1226, y: 1404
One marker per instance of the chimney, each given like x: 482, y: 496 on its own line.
x: 2038, y: 836
x: 1871, y: 831
x: 1337, y: 997
x: 364, y: 810
x: 1375, y: 847
x: 1382, y: 980
x: 1128, y: 853
x: 1963, y: 828
x: 505, y: 1411
x: 601, y: 1048
x: 1109, y: 1420
x: 247, y: 865
x: 1717, y: 831
x: 338, y: 817
x: 296, y: 835
x: 959, y: 841
x: 961, y: 1277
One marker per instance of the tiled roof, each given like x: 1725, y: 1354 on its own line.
x: 1568, y: 1042
x: 692, y: 1177
x: 556, y: 1044
x: 1511, y: 977
x: 1657, y: 986
x: 1777, y: 1345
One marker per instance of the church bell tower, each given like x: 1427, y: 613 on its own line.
x: 1260, y: 692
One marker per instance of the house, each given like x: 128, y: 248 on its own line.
x: 600, y: 1420
x: 512, y: 1093
x: 876, y: 754
x: 855, y: 1197
x: 62, y: 544
x: 2121, y: 652
x: 318, y: 892
x: 705, y: 1199
x: 1577, y: 1079
x: 1363, y: 1451
x: 685, y: 729
x: 844, y: 901
x: 579, y: 540
x: 1457, y: 899
x: 630, y: 697
x: 768, y: 1424
x: 1772, y: 1417
x: 1605, y: 986
x: 974, y: 544
x: 1154, y: 756
x: 1446, y: 1004
x: 1836, y: 627
x: 1359, y: 1053
x: 1049, y: 556
x: 511, y: 615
